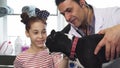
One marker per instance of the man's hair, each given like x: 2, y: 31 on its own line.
x: 60, y: 1
x: 77, y: 1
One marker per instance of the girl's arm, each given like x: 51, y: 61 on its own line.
x: 60, y: 60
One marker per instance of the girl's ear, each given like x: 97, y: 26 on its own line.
x: 27, y: 34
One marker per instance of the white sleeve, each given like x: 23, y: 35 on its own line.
x: 116, y: 15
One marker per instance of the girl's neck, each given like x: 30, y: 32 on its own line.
x: 35, y: 50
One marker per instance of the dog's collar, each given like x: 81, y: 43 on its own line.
x: 72, y: 53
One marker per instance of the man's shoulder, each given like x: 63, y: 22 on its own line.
x: 106, y: 8
x: 103, y: 12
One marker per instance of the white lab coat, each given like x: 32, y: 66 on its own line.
x: 104, y: 18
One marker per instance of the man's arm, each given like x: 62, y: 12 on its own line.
x: 111, y: 41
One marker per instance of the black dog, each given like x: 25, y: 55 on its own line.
x: 60, y: 42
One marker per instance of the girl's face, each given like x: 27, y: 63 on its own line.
x: 37, y: 34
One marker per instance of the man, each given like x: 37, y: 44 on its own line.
x: 84, y: 20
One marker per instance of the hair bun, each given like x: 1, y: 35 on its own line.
x: 43, y: 14
x: 33, y: 11
x: 30, y: 10
x: 24, y: 17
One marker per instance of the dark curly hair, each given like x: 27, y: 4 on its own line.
x: 39, y: 16
x: 29, y: 20
x: 57, y: 2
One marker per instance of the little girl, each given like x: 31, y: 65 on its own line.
x: 38, y: 56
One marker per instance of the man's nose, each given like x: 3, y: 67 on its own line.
x: 67, y: 17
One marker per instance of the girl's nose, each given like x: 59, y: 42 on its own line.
x: 40, y: 35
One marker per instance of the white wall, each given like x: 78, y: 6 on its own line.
x: 2, y: 23
x: 104, y: 3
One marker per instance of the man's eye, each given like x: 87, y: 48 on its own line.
x: 68, y: 10
x: 63, y: 14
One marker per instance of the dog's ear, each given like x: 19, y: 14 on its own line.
x: 53, y: 32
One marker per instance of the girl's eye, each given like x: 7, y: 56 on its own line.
x: 35, y: 32
x: 43, y: 31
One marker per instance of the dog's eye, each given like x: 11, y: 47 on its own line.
x: 52, y: 36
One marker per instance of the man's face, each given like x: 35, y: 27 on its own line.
x: 72, y: 12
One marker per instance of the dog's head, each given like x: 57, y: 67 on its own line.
x: 59, y: 42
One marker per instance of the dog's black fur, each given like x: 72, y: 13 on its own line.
x: 59, y: 42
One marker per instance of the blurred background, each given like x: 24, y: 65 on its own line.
x: 12, y: 30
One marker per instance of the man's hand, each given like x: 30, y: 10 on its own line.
x: 111, y: 41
